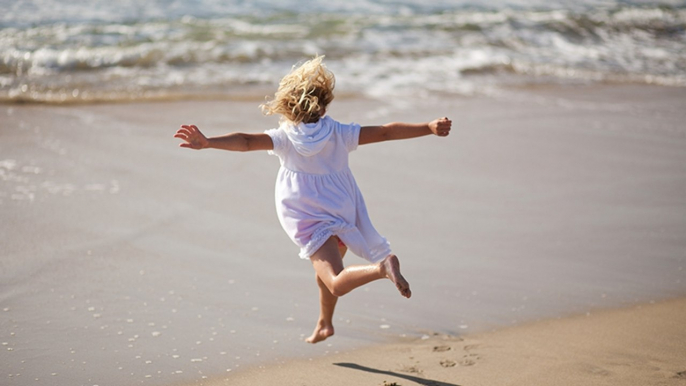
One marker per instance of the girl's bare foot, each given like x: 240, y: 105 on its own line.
x: 321, y: 332
x: 390, y: 267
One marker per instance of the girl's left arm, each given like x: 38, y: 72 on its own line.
x: 193, y: 138
x: 392, y: 131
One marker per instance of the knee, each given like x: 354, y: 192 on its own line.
x: 338, y: 290
x: 333, y: 286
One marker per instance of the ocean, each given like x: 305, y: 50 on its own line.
x: 58, y: 51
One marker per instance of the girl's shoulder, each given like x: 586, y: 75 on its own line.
x: 279, y: 140
x: 340, y: 126
x: 347, y: 133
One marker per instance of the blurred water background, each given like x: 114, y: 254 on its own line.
x: 61, y: 51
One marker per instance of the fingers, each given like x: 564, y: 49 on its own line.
x: 184, y: 134
x: 191, y: 128
x: 187, y: 132
x: 443, y: 126
x: 181, y: 135
x: 191, y: 136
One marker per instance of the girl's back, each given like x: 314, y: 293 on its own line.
x: 315, y: 148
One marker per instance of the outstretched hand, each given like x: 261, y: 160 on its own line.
x: 441, y: 127
x: 192, y: 136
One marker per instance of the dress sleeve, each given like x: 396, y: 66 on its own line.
x: 351, y: 135
x: 278, y: 139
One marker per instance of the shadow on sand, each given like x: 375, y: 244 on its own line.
x: 418, y: 380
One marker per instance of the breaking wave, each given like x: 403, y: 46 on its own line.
x: 84, y: 54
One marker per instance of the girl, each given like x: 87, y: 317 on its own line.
x: 318, y: 202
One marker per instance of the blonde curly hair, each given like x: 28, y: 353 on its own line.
x: 304, y: 93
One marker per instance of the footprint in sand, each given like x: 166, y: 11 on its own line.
x: 680, y: 375
x: 595, y: 370
x: 469, y: 360
x: 441, y: 348
x: 411, y: 369
x: 448, y: 363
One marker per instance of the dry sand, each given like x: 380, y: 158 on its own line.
x: 636, y: 346
x: 125, y: 259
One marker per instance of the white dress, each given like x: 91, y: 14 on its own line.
x: 316, y: 194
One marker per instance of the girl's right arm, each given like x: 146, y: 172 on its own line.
x: 193, y: 138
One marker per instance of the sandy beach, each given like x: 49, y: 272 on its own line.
x: 640, y: 345
x: 127, y: 260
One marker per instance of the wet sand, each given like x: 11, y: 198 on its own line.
x: 127, y: 260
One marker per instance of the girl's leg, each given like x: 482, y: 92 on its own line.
x: 327, y: 305
x: 339, y: 281
x: 334, y: 280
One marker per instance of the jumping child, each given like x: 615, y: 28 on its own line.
x: 317, y: 199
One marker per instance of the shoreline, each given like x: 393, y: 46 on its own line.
x: 257, y: 94
x: 635, y: 345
